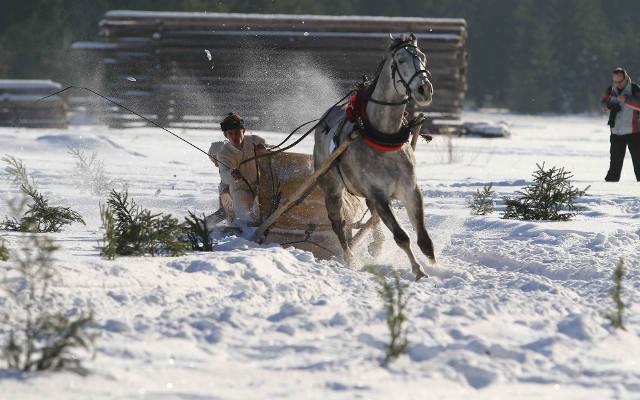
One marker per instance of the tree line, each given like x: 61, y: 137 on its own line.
x: 529, y: 56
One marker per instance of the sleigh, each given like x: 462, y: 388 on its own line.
x: 305, y: 224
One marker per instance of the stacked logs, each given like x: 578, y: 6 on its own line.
x: 195, y: 67
x: 20, y: 104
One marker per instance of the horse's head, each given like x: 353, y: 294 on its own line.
x: 409, y: 69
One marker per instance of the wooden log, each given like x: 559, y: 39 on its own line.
x: 304, y: 189
x: 282, y: 21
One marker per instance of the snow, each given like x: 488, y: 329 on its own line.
x: 512, y: 309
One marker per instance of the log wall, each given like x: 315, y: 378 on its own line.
x: 19, y: 105
x: 156, y: 62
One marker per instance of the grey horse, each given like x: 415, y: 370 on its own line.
x: 379, y: 166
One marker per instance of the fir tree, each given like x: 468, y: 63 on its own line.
x: 551, y: 197
x: 482, y: 202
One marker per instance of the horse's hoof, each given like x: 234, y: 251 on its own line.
x: 348, y: 258
x: 421, y: 275
x: 432, y: 259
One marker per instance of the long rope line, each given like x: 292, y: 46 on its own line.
x: 317, y: 121
x: 149, y: 121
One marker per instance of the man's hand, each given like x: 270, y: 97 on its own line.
x: 622, y: 99
x: 236, y: 174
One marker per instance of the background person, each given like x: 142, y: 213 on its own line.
x: 622, y: 101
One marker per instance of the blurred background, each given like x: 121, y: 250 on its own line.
x: 530, y: 56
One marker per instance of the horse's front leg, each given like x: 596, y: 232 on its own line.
x: 399, y: 235
x: 413, y: 202
x: 375, y: 247
x: 334, y: 203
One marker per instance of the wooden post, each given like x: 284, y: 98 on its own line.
x: 304, y: 189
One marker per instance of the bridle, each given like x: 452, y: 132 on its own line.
x: 396, y: 71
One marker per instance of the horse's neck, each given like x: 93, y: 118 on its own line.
x: 386, y: 119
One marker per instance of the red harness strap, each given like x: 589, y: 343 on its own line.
x: 357, y: 113
x: 381, y: 147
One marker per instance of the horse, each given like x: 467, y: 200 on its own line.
x: 379, y: 165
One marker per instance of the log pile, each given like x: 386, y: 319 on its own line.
x: 195, y: 67
x: 19, y: 105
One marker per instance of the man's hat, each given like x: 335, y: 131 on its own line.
x: 231, y: 121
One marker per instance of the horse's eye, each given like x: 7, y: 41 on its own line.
x: 402, y: 61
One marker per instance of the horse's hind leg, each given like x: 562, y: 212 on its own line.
x: 334, y: 205
x: 415, y: 210
x: 399, y: 235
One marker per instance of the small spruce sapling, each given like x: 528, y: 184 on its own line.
x: 133, y: 230
x: 109, y: 235
x: 4, y: 251
x: 482, y: 202
x: 395, y: 304
x: 615, y: 316
x: 551, y: 197
x: 39, y: 215
x: 197, y: 232
x: 35, y: 334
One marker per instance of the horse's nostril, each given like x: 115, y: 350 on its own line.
x: 421, y: 90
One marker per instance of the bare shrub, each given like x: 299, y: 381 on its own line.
x: 90, y: 172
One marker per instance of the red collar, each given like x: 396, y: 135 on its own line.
x: 357, y: 114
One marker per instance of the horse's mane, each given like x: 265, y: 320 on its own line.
x: 398, y: 42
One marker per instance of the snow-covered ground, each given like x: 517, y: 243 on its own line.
x: 512, y: 309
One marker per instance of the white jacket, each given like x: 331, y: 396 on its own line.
x: 230, y: 158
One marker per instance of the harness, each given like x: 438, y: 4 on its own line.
x: 357, y: 114
x: 356, y: 111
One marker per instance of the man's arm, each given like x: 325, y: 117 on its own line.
x: 605, y: 99
x: 632, y: 101
x: 213, y: 151
x: 226, y: 165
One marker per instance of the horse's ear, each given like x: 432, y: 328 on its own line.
x: 412, y: 37
x: 391, y: 36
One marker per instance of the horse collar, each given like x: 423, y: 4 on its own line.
x: 357, y: 114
